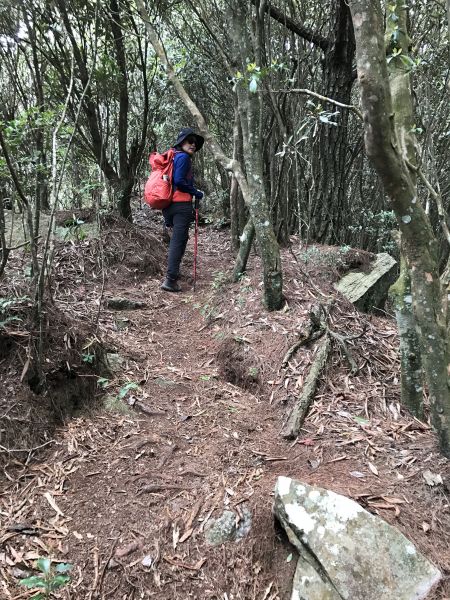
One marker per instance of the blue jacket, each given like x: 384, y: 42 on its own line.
x: 183, y: 178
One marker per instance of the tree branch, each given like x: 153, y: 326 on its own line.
x: 310, y: 36
x: 350, y: 107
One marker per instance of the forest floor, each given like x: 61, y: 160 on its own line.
x: 124, y: 492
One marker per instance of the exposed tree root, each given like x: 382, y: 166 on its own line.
x: 300, y: 410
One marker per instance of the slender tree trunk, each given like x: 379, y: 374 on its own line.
x: 249, y: 109
x: 386, y: 151
x: 246, y: 239
x: 234, y: 217
x: 234, y: 190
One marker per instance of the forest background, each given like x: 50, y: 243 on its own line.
x: 87, y: 93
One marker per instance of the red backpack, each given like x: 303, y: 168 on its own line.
x: 158, y: 190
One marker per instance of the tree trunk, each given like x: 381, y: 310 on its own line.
x: 246, y: 240
x: 328, y: 213
x: 250, y: 114
x: 325, y: 217
x: 400, y: 292
x: 387, y: 152
x: 234, y: 216
x: 236, y: 229
x: 410, y: 358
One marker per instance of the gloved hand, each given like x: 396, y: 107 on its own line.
x: 198, y: 196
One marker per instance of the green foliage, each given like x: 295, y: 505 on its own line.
x: 253, y: 373
x: 208, y: 311
x: 126, y: 388
x: 317, y: 113
x: 74, y: 229
x: 20, y: 136
x: 102, y: 382
x: 253, y: 75
x: 376, y: 225
x: 52, y: 578
x: 88, y: 357
x: 6, y: 306
x: 114, y: 402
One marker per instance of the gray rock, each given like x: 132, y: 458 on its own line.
x: 114, y: 362
x: 369, y: 290
x: 224, y: 529
x: 346, y: 552
x: 122, y: 324
x: 123, y: 304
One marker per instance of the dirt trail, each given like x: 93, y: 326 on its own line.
x: 119, y: 487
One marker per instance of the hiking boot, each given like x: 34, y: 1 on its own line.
x: 169, y: 285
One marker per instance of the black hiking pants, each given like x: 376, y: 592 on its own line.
x: 179, y: 216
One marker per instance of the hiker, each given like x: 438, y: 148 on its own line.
x: 179, y: 214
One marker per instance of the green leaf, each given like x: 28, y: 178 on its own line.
x: 43, y: 564
x: 126, y: 388
x: 59, y: 581
x: 63, y: 567
x: 102, y: 382
x: 253, y: 86
x: 289, y: 558
x: 407, y: 61
x: 361, y: 421
x: 33, y: 582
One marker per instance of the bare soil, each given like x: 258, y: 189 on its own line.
x: 122, y: 483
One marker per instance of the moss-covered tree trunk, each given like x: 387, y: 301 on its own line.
x: 410, y: 358
x: 400, y: 84
x: 386, y: 150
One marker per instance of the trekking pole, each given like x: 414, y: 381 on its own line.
x: 196, y: 204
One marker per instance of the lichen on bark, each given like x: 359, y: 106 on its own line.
x: 389, y: 140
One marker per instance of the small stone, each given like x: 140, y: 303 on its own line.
x: 122, y: 324
x: 114, y: 362
x: 113, y: 564
x: 228, y: 527
x: 432, y: 479
x: 123, y: 304
x: 147, y: 561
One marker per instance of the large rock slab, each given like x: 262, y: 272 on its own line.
x: 346, y: 553
x: 368, y: 289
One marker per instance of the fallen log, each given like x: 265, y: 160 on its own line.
x: 300, y: 410
x: 313, y: 329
